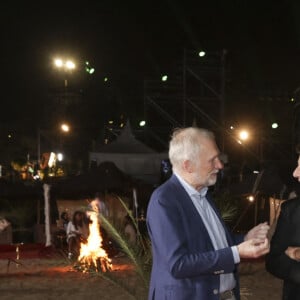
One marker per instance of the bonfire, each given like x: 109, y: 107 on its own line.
x: 92, y: 256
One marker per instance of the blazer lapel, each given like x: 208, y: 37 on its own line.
x: 189, y: 208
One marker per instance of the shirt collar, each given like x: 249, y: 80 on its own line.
x: 203, y: 192
x: 191, y: 190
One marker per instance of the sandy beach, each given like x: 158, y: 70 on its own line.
x: 57, y: 278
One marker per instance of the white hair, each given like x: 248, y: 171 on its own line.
x: 185, y: 144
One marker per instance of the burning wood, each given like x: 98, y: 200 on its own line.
x: 92, y: 256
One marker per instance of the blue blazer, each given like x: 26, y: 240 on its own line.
x: 185, y: 264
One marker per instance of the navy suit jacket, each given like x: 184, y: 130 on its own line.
x: 185, y: 264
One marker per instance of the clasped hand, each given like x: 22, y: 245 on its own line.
x: 260, y: 231
x: 256, y: 242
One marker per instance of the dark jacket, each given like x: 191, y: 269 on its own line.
x: 287, y: 233
x: 185, y: 264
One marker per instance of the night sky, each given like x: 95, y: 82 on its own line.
x: 130, y: 41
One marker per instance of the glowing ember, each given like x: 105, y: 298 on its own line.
x: 92, y: 255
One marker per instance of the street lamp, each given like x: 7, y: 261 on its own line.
x: 65, y: 65
x: 243, y: 135
x: 64, y: 127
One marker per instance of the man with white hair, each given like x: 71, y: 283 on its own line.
x: 194, y: 254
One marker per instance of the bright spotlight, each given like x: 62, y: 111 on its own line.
x: 88, y: 68
x: 164, y: 78
x: 60, y: 156
x: 250, y: 198
x: 70, y: 65
x: 244, y: 135
x: 58, y: 62
x: 65, y: 127
x: 67, y: 65
x: 142, y: 123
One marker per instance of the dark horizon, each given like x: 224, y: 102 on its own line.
x: 130, y: 43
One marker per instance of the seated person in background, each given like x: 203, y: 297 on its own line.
x: 129, y: 229
x: 60, y: 235
x: 3, y: 224
x: 65, y: 219
x: 77, y: 232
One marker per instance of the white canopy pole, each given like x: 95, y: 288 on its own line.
x: 47, y: 214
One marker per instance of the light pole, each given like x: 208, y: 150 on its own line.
x: 65, y: 65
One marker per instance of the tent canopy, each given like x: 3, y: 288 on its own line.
x: 131, y: 156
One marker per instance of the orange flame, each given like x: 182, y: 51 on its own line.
x: 91, y: 253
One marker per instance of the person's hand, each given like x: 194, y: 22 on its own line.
x: 293, y: 253
x: 253, y: 248
x: 258, y: 232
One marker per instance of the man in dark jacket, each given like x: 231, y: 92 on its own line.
x: 195, y: 257
x: 283, y: 261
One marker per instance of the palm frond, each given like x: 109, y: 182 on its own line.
x: 227, y: 206
x: 123, y: 243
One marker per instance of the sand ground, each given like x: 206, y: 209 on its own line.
x: 257, y: 283
x: 56, y: 278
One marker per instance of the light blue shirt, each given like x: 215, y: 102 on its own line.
x: 214, y: 227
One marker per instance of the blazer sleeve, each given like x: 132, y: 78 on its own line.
x: 187, y: 254
x: 277, y: 262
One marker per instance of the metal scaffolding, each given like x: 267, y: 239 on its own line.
x: 194, y: 94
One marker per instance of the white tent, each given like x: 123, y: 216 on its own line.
x: 131, y: 156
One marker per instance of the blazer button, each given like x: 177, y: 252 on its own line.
x: 215, y: 291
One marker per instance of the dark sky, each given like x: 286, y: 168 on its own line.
x: 130, y: 41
